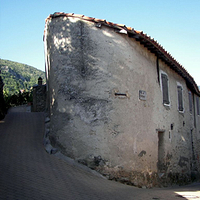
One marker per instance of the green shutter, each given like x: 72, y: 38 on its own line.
x: 165, y: 88
x: 198, y: 109
x: 190, y: 101
x: 180, y: 98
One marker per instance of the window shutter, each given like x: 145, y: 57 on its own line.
x: 180, y: 98
x: 165, y: 88
x: 198, y: 110
x: 190, y: 101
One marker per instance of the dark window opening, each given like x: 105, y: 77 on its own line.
x: 120, y: 94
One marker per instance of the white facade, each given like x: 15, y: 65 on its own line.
x: 106, y: 103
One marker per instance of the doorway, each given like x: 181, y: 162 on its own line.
x: 161, y: 152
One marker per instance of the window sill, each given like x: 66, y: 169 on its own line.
x: 167, y: 106
x: 180, y: 111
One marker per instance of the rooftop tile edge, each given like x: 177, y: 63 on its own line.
x: 139, y: 33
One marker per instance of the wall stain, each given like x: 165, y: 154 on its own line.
x: 142, y: 153
x: 183, y: 161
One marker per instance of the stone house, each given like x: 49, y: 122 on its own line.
x: 39, y: 96
x: 120, y: 103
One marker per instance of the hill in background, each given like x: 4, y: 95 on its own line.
x: 17, y: 76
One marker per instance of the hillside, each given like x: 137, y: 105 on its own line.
x: 17, y: 76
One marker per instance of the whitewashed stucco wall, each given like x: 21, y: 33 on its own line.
x: 87, y: 65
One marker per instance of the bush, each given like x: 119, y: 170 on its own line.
x: 17, y: 99
x: 2, y: 108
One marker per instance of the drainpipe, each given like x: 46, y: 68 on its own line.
x: 158, y: 70
x: 194, y: 111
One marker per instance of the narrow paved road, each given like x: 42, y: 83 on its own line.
x: 27, y: 172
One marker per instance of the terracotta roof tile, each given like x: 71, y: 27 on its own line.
x: 129, y: 28
x: 99, y: 20
x: 88, y: 18
x: 77, y: 15
x: 151, y: 44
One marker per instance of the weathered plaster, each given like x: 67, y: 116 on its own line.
x: 94, y: 79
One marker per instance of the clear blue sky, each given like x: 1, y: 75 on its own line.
x: 175, y: 24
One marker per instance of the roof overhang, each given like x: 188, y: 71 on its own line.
x: 148, y: 42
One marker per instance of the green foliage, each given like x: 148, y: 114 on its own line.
x: 17, y: 76
x: 2, y: 107
x: 17, y: 99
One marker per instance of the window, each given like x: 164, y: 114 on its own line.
x: 165, y: 90
x: 198, y: 109
x: 180, y: 97
x: 190, y: 101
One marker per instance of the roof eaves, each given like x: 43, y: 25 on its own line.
x: 168, y: 59
x: 148, y: 42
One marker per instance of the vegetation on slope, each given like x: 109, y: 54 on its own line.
x: 17, y: 76
x: 18, y: 81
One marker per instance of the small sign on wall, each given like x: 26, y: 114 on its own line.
x: 142, y: 95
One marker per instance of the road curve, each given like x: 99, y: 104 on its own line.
x: 27, y: 172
